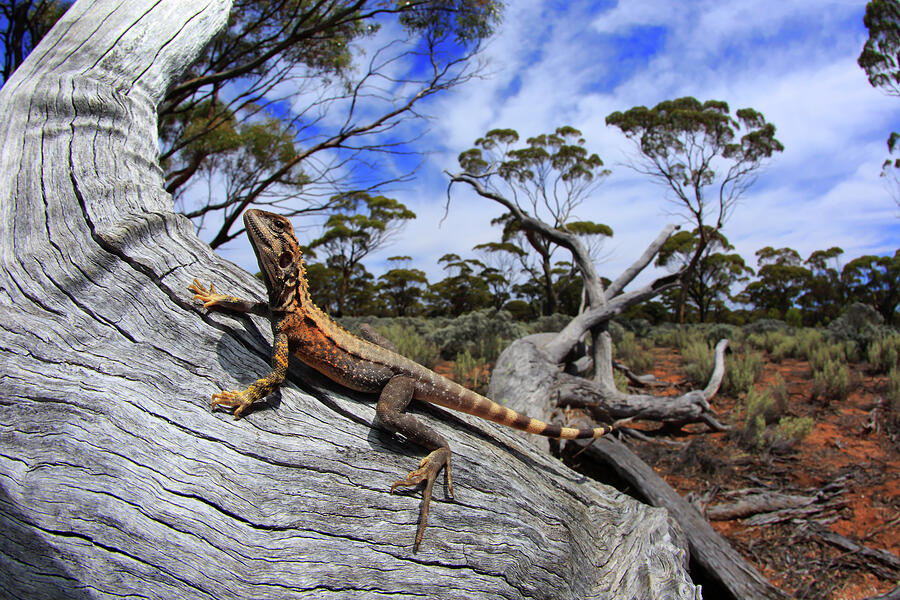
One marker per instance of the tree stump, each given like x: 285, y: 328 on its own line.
x: 116, y: 477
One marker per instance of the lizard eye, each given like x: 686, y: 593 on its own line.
x: 285, y: 260
x: 278, y: 224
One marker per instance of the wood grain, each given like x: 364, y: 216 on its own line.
x: 117, y: 480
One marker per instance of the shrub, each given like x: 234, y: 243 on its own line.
x: 832, y: 382
x: 478, y: 332
x: 759, y: 409
x: 468, y: 371
x: 808, y: 341
x: 410, y: 343
x: 826, y: 353
x: 621, y: 381
x: 859, y: 322
x: 793, y: 429
x: 698, y: 361
x: 884, y: 353
x: 787, y: 348
x: 548, y: 323
x: 893, y: 397
x: 630, y: 352
x: 764, y: 325
x: 741, y: 372
x: 670, y: 336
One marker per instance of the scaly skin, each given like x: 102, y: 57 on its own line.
x: 301, y: 328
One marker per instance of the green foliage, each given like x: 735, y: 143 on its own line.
x: 361, y: 225
x: 760, y: 408
x: 741, y: 372
x: 621, y: 381
x: 402, y: 288
x: 682, y: 142
x: 764, y: 325
x: 893, y: 393
x: 832, y: 381
x: 880, y: 57
x: 875, y: 280
x: 714, y: 273
x: 410, y: 343
x: 482, y: 333
x: 632, y: 354
x: 781, y: 280
x: 544, y: 180
x: 763, y: 408
x: 698, y: 360
x: 793, y: 429
x: 462, y: 291
x: 884, y: 353
x: 469, y: 371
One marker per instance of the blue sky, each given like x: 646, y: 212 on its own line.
x: 573, y: 63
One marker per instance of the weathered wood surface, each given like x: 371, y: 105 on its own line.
x: 115, y: 476
x: 526, y: 381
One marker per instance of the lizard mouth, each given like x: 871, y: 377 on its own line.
x: 253, y: 222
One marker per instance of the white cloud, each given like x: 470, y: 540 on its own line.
x: 554, y: 64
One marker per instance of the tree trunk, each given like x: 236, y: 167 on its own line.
x: 524, y: 380
x: 115, y: 476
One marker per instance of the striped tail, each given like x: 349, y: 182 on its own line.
x: 476, y: 404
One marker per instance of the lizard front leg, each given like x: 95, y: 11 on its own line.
x: 240, y: 400
x: 211, y: 299
x: 395, y: 397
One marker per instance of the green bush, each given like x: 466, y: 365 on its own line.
x: 760, y: 408
x: 764, y: 325
x: 410, y: 343
x: 826, y: 353
x: 621, y: 381
x: 793, y: 429
x: 741, y: 372
x: 698, y: 360
x: 482, y: 333
x: 884, y: 353
x: 832, y: 382
x: 633, y: 355
x: 764, y: 408
x: 787, y: 348
x: 793, y: 317
x: 808, y: 340
x: 859, y: 322
x: 468, y: 371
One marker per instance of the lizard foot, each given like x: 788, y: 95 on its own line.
x: 238, y: 400
x: 209, y: 297
x: 428, y: 471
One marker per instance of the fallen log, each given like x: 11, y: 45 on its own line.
x: 881, y: 562
x: 117, y: 479
x: 709, y: 550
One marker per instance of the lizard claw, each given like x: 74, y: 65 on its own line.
x: 209, y: 297
x: 234, y: 399
x: 428, y: 471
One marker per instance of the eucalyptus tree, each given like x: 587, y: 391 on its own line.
x: 402, y: 287
x: 360, y: 225
x: 875, y: 280
x: 546, y: 179
x: 716, y: 271
x: 880, y: 59
x: 781, y: 280
x: 705, y: 157
x: 297, y: 102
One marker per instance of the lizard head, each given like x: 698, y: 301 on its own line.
x: 278, y: 254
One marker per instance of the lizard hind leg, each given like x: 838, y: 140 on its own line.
x: 395, y: 396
